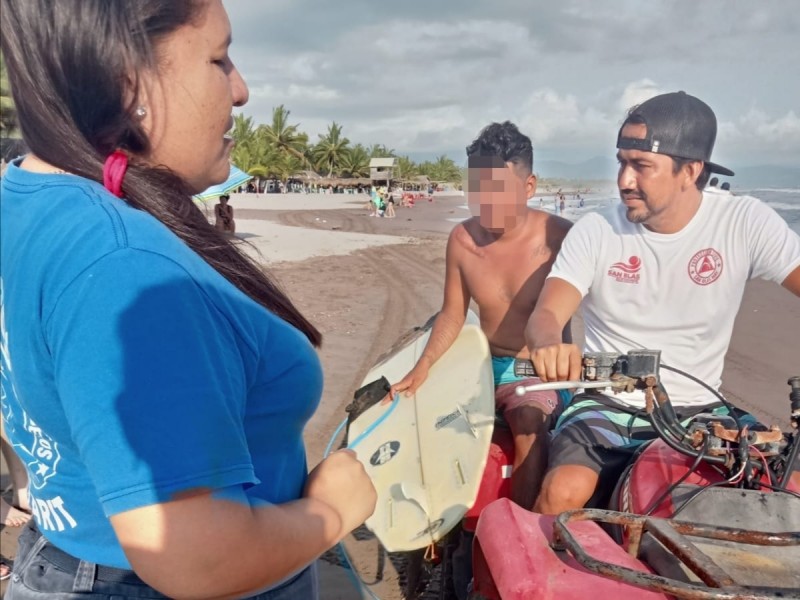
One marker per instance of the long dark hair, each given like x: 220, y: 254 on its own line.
x: 69, y: 65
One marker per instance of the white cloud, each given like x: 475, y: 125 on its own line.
x: 757, y: 138
x: 422, y: 76
x: 551, y: 118
x: 637, y: 92
x: 312, y: 93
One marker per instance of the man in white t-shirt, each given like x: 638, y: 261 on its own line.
x: 664, y: 269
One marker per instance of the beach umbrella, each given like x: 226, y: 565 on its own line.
x: 236, y: 178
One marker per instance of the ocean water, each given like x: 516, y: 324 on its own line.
x: 785, y: 201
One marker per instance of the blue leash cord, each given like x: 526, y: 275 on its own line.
x: 333, y: 438
x: 364, y: 433
x: 351, y: 571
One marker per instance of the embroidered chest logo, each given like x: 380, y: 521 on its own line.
x: 705, y: 266
x: 626, y: 272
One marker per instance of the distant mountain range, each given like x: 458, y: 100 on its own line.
x: 600, y: 168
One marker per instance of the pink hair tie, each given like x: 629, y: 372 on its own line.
x: 114, y: 171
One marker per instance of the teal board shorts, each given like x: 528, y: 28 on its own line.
x: 506, y: 382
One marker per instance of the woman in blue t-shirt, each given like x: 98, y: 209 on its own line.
x: 155, y: 380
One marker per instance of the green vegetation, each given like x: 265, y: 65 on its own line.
x: 331, y: 150
x: 281, y: 149
x: 8, y: 115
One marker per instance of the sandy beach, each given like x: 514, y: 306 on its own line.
x: 365, y: 281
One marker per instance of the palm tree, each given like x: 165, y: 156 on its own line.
x: 426, y: 168
x: 446, y: 169
x: 443, y: 169
x: 380, y: 151
x: 407, y: 168
x: 355, y: 163
x: 253, y: 153
x: 284, y: 136
x: 331, y: 149
x: 259, y: 172
x: 286, y: 165
x: 244, y: 136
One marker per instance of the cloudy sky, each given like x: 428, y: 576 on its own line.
x: 424, y: 76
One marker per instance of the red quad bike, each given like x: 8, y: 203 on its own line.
x: 704, y: 511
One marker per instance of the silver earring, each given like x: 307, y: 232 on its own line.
x: 141, y: 112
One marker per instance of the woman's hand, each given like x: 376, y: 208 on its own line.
x: 341, y: 482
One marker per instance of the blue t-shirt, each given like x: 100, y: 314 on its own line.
x: 132, y: 370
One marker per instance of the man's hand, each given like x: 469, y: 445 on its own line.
x: 557, y: 362
x: 411, y: 382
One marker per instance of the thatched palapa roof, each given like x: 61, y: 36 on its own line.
x: 307, y: 176
x: 344, y: 181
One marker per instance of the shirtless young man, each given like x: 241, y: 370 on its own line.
x: 500, y: 258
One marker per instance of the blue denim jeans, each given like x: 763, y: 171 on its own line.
x: 35, y: 576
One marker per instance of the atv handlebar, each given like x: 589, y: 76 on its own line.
x: 521, y: 390
x: 639, y: 369
x: 606, y: 369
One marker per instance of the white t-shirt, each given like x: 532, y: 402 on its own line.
x: 678, y: 293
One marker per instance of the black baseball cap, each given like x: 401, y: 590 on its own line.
x: 678, y: 125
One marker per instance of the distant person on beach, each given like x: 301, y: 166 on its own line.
x: 224, y: 215
x: 665, y: 269
x: 376, y: 202
x: 162, y: 384
x: 562, y: 205
x: 499, y: 258
x: 390, y: 213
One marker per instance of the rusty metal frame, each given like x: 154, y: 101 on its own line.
x: 719, y: 585
x: 755, y: 438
